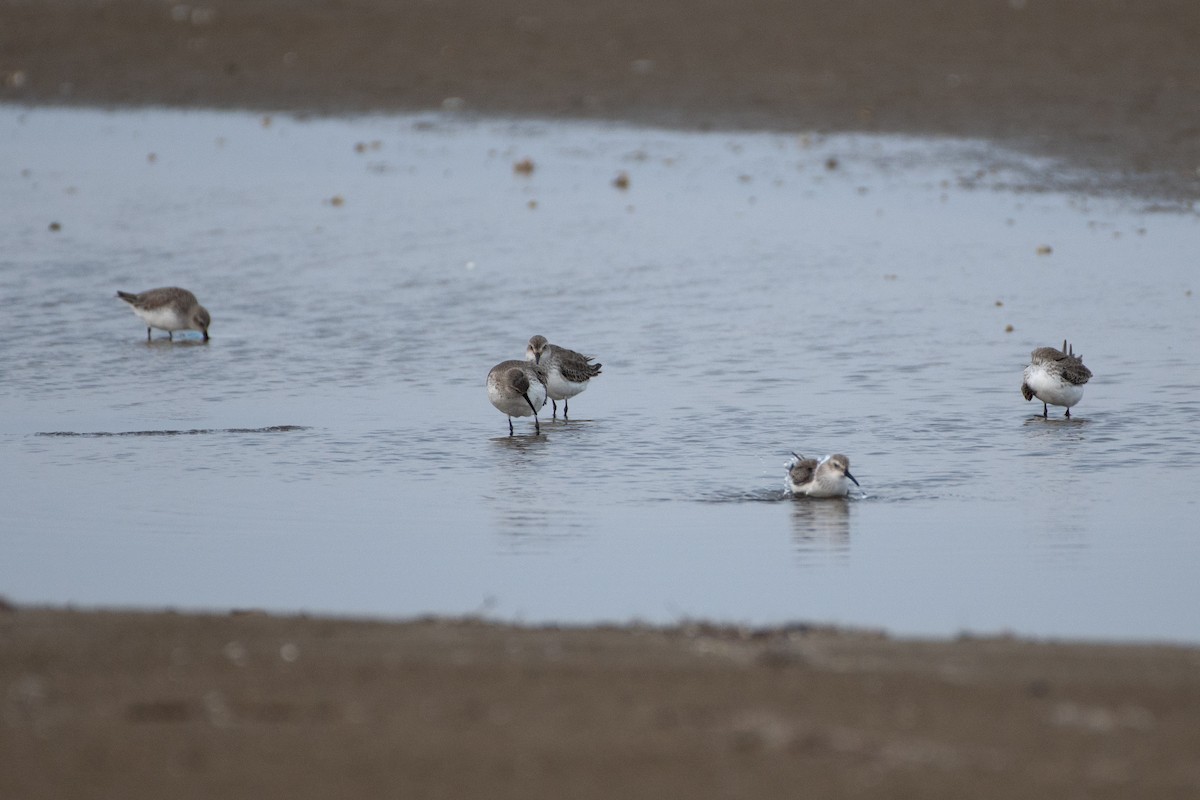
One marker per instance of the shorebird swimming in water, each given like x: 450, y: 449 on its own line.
x: 518, y: 389
x: 1056, y: 377
x: 828, y: 477
x: 169, y: 309
x: 567, y: 372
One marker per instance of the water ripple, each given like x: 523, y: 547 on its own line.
x: 822, y: 321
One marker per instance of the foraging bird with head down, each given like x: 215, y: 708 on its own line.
x: 517, y: 389
x: 169, y: 309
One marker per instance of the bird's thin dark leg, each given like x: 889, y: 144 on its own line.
x: 554, y: 405
x: 170, y: 336
x: 1045, y: 411
x: 565, y: 409
x: 510, y: 428
x: 147, y: 333
x: 1068, y: 413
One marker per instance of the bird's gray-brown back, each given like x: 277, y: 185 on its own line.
x: 181, y: 299
x: 1064, y: 362
x: 802, y: 469
x: 575, y: 367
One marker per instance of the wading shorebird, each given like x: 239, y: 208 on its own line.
x: 827, y: 477
x: 1056, y: 377
x: 518, y: 389
x: 567, y: 372
x: 169, y: 309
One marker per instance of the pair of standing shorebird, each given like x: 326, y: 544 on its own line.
x: 520, y: 388
x: 1056, y: 377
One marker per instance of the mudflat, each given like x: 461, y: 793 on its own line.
x: 152, y: 705
x: 1112, y: 86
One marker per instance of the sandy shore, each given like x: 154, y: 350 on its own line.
x: 135, y: 706
x: 1111, y: 85
x: 170, y: 705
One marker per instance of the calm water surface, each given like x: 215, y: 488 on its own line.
x: 748, y: 295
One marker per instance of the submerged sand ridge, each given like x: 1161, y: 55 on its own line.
x: 1110, y: 86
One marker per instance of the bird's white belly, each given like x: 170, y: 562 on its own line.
x: 837, y: 487
x: 162, y: 318
x: 1051, y: 388
x: 560, y: 388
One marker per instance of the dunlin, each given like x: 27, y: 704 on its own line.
x: 169, y: 309
x: 567, y: 372
x: 1056, y: 377
x: 828, y: 477
x: 518, y: 389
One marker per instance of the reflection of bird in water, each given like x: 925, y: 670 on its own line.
x: 514, y: 464
x: 1056, y: 377
x: 828, y: 477
x: 821, y: 526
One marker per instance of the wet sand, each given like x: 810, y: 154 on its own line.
x: 1113, y: 86
x: 133, y: 705
x: 171, y: 705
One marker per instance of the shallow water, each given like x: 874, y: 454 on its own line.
x: 332, y: 449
